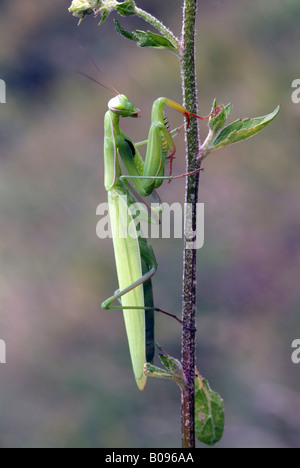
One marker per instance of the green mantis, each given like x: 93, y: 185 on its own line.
x: 135, y: 260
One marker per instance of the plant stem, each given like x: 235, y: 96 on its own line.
x: 189, y: 86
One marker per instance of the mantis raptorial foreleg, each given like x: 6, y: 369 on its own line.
x: 173, y: 133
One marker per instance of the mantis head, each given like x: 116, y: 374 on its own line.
x: 122, y: 106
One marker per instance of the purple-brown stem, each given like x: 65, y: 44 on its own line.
x: 189, y: 87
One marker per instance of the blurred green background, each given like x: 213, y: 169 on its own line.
x: 68, y: 379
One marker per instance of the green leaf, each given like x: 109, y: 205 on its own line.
x: 218, y: 118
x: 209, y: 413
x: 153, y: 371
x: 145, y: 39
x: 172, y: 365
x: 126, y: 8
x: 242, y: 129
x: 228, y: 110
x: 174, y: 370
x: 104, y: 16
x: 123, y: 32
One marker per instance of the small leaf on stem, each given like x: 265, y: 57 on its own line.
x: 145, y: 39
x: 242, y: 129
x: 174, y: 370
x: 218, y: 117
x: 126, y: 8
x: 209, y: 413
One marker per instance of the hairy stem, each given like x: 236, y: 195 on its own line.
x: 189, y: 87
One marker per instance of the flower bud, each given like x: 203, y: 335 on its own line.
x: 81, y: 8
x: 218, y: 118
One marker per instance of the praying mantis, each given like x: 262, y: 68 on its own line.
x: 135, y: 260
